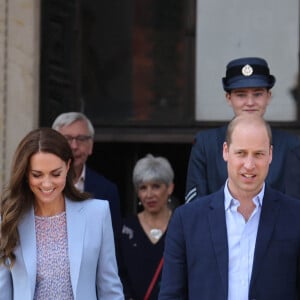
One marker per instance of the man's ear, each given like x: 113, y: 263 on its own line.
x: 91, y: 147
x: 225, y: 151
x: 271, y: 153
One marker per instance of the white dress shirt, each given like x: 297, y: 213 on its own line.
x: 80, y: 183
x: 241, y: 236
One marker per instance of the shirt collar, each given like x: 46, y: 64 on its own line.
x: 82, y: 175
x: 258, y: 199
x: 80, y: 182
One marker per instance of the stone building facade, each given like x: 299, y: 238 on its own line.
x: 19, y: 76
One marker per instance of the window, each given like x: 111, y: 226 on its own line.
x: 137, y: 62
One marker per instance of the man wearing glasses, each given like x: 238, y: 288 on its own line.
x: 79, y: 132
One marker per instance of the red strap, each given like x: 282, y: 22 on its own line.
x: 154, y: 279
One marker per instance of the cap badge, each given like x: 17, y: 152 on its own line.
x: 247, y: 70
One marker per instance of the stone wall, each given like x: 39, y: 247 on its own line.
x: 19, y: 76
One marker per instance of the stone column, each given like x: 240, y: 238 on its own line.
x: 19, y: 76
x: 3, y: 41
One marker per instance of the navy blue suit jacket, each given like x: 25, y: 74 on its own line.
x: 292, y: 177
x: 102, y: 188
x: 207, y: 171
x: 196, y: 250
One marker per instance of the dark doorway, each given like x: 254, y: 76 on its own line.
x: 116, y: 162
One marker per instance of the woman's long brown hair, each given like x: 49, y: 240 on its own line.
x: 17, y: 197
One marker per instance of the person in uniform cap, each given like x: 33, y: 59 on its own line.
x: 247, y: 87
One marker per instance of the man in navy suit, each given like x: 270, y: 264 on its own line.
x: 79, y: 132
x: 247, y: 85
x: 241, y: 242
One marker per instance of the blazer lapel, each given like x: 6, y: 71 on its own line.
x: 269, y: 213
x: 28, y: 247
x: 217, y: 224
x: 75, y: 228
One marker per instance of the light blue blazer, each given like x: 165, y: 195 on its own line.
x: 93, y: 268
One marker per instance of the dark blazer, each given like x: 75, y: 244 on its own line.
x: 292, y: 177
x: 207, y: 171
x: 102, y: 188
x: 196, y: 250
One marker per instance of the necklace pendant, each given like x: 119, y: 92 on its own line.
x: 155, y: 233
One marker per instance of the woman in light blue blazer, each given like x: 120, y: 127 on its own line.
x: 55, y: 243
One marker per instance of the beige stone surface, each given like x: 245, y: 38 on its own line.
x: 19, y: 78
x: 3, y: 40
